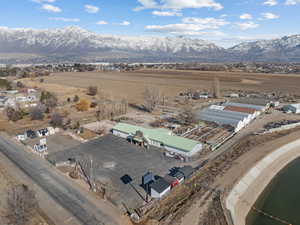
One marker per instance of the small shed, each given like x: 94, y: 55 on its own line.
x: 159, y: 188
x: 171, y: 180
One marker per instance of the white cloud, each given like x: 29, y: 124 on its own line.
x: 166, y: 13
x: 180, y: 28
x: 91, y: 8
x: 208, y: 23
x: 292, y: 2
x: 63, y: 19
x: 189, y: 26
x: 51, y: 8
x: 124, y: 23
x: 178, y: 4
x: 247, y: 25
x: 102, y: 22
x: 44, y: 1
x: 270, y: 2
x: 246, y: 16
x: 269, y: 16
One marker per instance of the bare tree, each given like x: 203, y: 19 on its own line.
x: 151, y: 98
x: 37, y: 113
x: 14, y: 114
x: 216, y: 88
x: 56, y: 119
x: 187, y: 116
x: 92, y: 90
x: 21, y: 205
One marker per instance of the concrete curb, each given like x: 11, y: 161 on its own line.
x: 244, y: 194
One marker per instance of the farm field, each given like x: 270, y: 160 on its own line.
x: 131, y: 85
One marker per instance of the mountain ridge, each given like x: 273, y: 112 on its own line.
x: 77, y: 44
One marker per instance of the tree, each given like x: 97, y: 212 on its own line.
x: 20, y: 84
x: 76, y: 98
x: 37, y: 113
x: 83, y: 105
x: 49, y: 100
x: 21, y: 205
x: 151, y: 98
x: 92, y: 90
x: 216, y: 88
x: 14, y: 114
x: 56, y: 120
x: 187, y: 116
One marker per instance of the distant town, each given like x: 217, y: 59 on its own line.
x: 27, y: 70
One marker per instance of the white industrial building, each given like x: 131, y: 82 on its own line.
x: 219, y: 115
x: 237, y: 125
x: 294, y: 108
x: 160, y: 137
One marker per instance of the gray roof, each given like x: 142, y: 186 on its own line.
x: 220, y: 120
x: 160, y: 185
x: 187, y: 171
x: 251, y: 106
x: 3, y: 98
x: 253, y: 101
x: 225, y: 114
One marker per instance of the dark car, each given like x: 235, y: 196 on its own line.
x: 31, y: 134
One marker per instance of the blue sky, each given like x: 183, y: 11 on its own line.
x: 224, y: 22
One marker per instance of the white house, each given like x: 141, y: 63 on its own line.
x: 294, y: 108
x: 159, y: 188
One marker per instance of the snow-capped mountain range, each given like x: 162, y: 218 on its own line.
x: 77, y: 44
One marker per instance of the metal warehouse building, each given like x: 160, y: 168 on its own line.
x: 294, y: 108
x: 161, y: 138
x: 244, y: 117
x: 237, y: 125
x: 258, y: 108
x: 254, y: 101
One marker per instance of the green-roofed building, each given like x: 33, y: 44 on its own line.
x: 159, y: 137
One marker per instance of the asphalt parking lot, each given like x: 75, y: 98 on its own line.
x: 113, y: 157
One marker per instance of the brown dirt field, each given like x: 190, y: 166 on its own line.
x: 13, y: 128
x: 132, y: 84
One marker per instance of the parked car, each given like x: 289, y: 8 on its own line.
x: 43, y: 132
x: 31, y: 134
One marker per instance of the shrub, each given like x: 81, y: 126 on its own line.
x: 14, y: 114
x: 56, y: 120
x: 76, y: 98
x: 92, y: 90
x: 22, y: 204
x: 83, y: 105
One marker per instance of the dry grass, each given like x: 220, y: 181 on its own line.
x: 131, y: 85
x: 7, y: 181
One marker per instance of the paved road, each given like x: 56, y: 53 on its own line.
x: 61, y: 191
